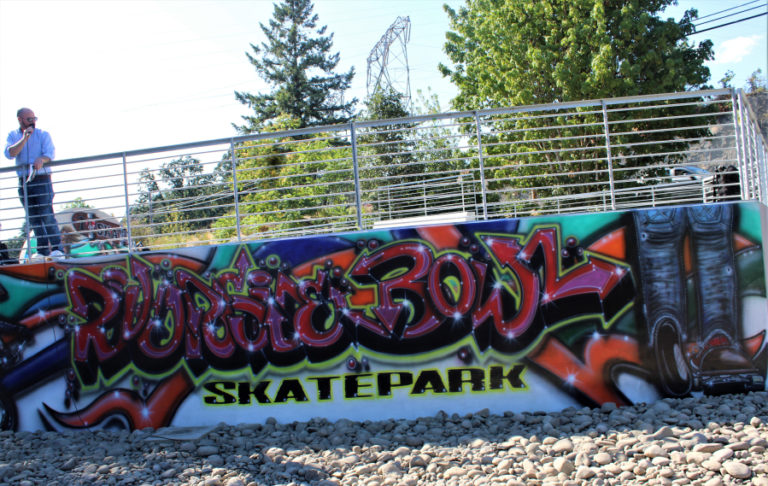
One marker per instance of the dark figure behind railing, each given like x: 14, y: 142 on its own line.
x: 5, y: 254
x: 727, y: 183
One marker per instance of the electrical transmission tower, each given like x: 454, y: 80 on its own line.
x: 388, y: 61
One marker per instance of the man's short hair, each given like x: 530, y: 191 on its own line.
x: 21, y: 110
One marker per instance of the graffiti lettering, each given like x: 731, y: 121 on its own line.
x: 252, y: 315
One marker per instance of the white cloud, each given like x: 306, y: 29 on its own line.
x: 735, y: 50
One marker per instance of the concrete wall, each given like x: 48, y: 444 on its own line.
x: 519, y: 314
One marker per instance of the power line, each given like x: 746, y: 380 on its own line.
x: 729, y: 23
x: 731, y: 15
x: 729, y: 8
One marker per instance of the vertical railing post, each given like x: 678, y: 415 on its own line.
x: 753, y: 156
x: 607, y: 134
x: 761, y: 155
x: 764, y: 160
x: 234, y: 188
x: 482, y: 166
x: 761, y: 175
x: 755, y: 150
x: 744, y: 117
x: 754, y: 133
x: 759, y: 171
x: 151, y: 216
x: 356, y: 170
x: 389, y: 202
x: 26, y: 216
x: 737, y: 134
x: 127, y: 206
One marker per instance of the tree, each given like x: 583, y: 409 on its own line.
x: 386, y: 156
x: 182, y: 199
x: 407, y: 168
x: 522, y: 52
x: 78, y: 202
x: 288, y: 185
x: 436, y: 143
x: 725, y: 81
x: 757, y: 83
x: 296, y: 61
x: 757, y: 94
x: 435, y: 146
x: 388, y: 168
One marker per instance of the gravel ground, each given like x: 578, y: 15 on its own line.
x: 699, y: 440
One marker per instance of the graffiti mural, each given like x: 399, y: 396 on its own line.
x: 522, y: 314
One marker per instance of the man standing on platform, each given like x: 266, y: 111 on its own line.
x: 33, y: 149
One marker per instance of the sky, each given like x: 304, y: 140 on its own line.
x: 128, y: 75
x: 110, y: 76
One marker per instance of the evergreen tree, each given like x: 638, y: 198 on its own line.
x: 297, y: 63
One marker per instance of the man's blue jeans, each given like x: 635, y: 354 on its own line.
x: 39, y: 206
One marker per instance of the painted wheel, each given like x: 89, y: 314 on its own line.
x: 675, y: 377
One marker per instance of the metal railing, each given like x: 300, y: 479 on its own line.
x: 597, y: 155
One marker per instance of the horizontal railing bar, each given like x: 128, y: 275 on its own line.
x: 319, y: 179
x: 375, y: 123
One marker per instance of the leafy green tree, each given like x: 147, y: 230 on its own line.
x: 757, y: 94
x: 522, y: 52
x: 297, y: 63
x: 757, y: 83
x: 78, y: 202
x: 388, y: 168
x: 180, y: 197
x: 385, y: 151
x: 288, y: 185
x: 436, y: 146
x: 725, y: 81
x: 407, y: 168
